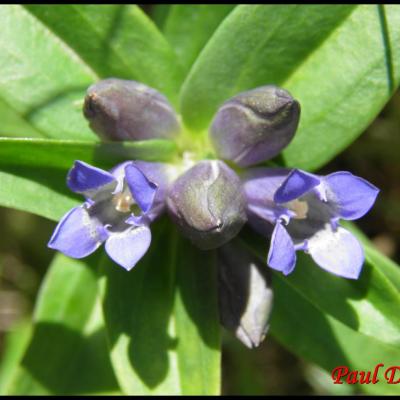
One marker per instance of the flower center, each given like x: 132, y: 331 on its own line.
x: 299, y: 207
x: 123, y: 201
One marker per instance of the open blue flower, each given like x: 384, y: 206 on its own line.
x: 119, y: 207
x: 302, y: 210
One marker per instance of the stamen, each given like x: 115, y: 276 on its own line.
x: 299, y: 207
x: 123, y: 202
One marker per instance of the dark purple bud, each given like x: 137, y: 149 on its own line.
x: 255, y: 126
x: 207, y: 204
x: 244, y: 293
x: 120, y: 109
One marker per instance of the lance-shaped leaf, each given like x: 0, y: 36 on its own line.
x: 374, y: 256
x: 15, y: 344
x: 163, y: 331
x: 159, y: 13
x: 341, y: 73
x: 188, y: 27
x: 15, y: 124
x: 67, y: 351
x: 41, y: 77
x: 318, y: 337
x: 115, y: 40
x: 62, y: 153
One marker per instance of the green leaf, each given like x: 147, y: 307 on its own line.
x: 333, y: 321
x: 33, y: 171
x: 318, y: 337
x: 196, y: 320
x: 42, y: 79
x: 40, y: 191
x: 13, y: 124
x: 62, y: 153
x: 67, y: 350
x: 188, y: 28
x: 115, y: 40
x: 159, y: 13
x: 14, y: 347
x: 373, y: 256
x: 362, y: 61
x: 386, y: 266
x: 342, y: 73
x: 161, y: 319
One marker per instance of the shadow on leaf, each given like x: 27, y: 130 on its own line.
x: 139, y: 309
x: 65, y: 362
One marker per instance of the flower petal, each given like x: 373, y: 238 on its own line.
x: 128, y: 247
x: 86, y: 179
x: 282, y: 255
x: 143, y: 191
x: 296, y: 184
x: 260, y: 184
x: 337, y: 251
x: 77, y: 235
x: 352, y: 195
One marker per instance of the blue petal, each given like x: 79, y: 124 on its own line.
x: 337, y: 251
x: 143, y: 191
x: 282, y: 255
x: 128, y: 247
x: 260, y: 184
x: 77, y: 235
x: 353, y: 196
x: 296, y: 184
x: 85, y: 179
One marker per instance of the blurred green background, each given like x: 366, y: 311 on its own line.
x: 270, y: 369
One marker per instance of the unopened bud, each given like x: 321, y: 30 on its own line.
x: 244, y: 293
x: 207, y: 204
x: 120, y: 109
x: 255, y: 126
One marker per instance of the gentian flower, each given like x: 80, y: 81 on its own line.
x: 302, y: 211
x: 119, y: 207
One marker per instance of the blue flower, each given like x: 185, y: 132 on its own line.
x: 119, y: 207
x: 302, y: 212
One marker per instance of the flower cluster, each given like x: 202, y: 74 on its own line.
x: 211, y: 200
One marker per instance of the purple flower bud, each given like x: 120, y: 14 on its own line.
x: 244, y: 293
x: 207, y: 204
x: 127, y: 110
x: 255, y: 126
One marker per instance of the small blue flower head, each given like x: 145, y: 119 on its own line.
x: 303, y: 210
x: 119, y: 207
